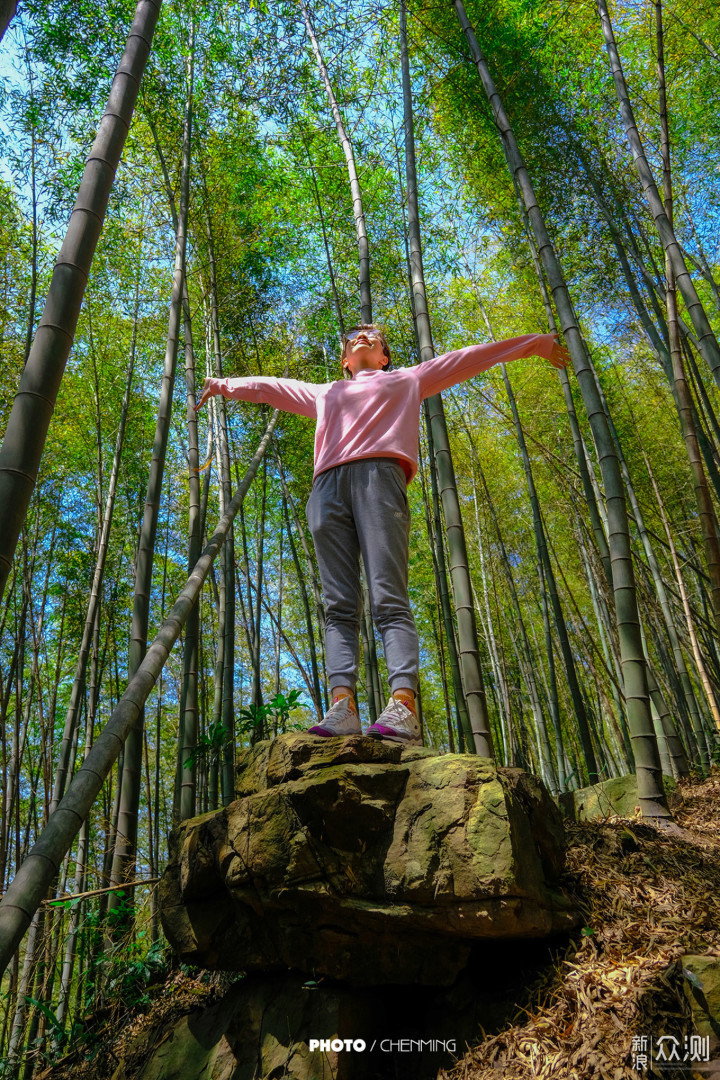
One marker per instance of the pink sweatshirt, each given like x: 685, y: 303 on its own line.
x: 377, y: 413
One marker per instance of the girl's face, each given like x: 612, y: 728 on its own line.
x: 364, y: 352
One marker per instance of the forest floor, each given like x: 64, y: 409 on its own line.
x: 647, y: 898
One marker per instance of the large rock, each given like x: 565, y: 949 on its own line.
x: 364, y: 861
x: 260, y: 1029
x: 702, y: 990
x: 610, y: 798
x: 269, y: 1026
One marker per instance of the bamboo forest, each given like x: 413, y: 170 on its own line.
x: 194, y: 884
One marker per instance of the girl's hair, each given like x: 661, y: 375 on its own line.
x: 383, y: 341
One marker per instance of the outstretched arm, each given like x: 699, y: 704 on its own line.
x: 291, y: 395
x: 455, y: 367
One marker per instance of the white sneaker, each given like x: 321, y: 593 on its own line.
x: 340, y: 719
x: 397, y: 723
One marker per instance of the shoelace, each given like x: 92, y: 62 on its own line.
x: 398, y: 709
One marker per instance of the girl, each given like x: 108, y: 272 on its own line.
x: 366, y: 443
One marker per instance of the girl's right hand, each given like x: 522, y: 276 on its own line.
x: 559, y: 357
x: 207, y: 392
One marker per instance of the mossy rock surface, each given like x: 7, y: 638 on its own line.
x: 611, y: 798
x: 364, y: 861
x: 257, y: 1031
x: 702, y: 990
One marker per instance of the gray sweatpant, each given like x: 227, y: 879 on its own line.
x: 362, y: 507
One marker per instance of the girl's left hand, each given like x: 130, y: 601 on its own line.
x: 206, y: 393
x: 559, y: 357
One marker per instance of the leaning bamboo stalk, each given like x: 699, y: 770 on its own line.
x: 28, y: 972
x: 437, y: 546
x: 581, y: 454
x: 502, y: 693
x: 187, y: 736
x: 314, y: 580
x: 700, y: 261
x: 189, y: 720
x: 22, y: 725
x: 13, y: 678
x: 326, y: 242
x: 529, y: 667
x: 32, y: 880
x: 256, y: 614
x: 705, y: 410
x: 40, y: 381
x: 80, y: 875
x: 315, y: 690
x: 226, y: 628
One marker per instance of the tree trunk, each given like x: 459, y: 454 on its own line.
x: 257, y: 696
x: 372, y: 676
x: 651, y: 793
x: 437, y: 546
x: 660, y: 588
x: 581, y: 455
x: 707, y: 341
x: 126, y: 840
x: 227, y: 629
x: 79, y: 886
x: 64, y: 763
x: 326, y: 243
x: 548, y: 578
x: 14, y: 676
x: 468, y: 649
x: 316, y: 690
x: 529, y: 665
x: 314, y: 581
x: 706, y: 512
x: 35, y: 401
x: 189, y: 724
x: 24, y: 989
x: 699, y: 662
x: 435, y: 535
x: 502, y: 692
x: 358, y: 211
